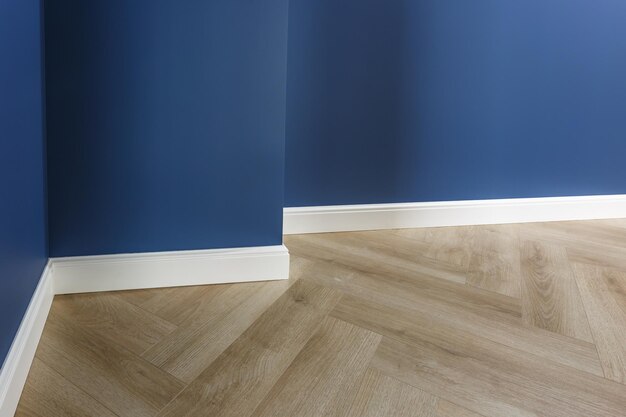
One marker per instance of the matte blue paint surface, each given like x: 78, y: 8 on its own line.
x: 165, y: 124
x: 425, y: 100
x: 23, y: 252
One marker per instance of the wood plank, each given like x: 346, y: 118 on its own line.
x: 415, y: 323
x: 550, y: 297
x: 317, y: 381
x: 400, y: 251
x: 380, y: 395
x: 582, y: 232
x: 113, y: 319
x: 119, y: 379
x: 379, y: 282
x: 448, y: 409
x: 394, y: 290
x: 497, y: 381
x: 495, y: 261
x: 603, y: 292
x: 371, y: 255
x: 137, y: 297
x: 182, y: 304
x: 447, y: 244
x: 598, y: 255
x: 239, y: 379
x: 609, y: 251
x: 187, y: 351
x: 48, y: 394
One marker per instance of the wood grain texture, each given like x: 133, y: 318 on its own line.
x: 448, y: 409
x: 119, y: 379
x: 317, y: 381
x: 112, y: 318
x: 180, y: 305
x: 598, y: 255
x: 48, y: 394
x: 407, y: 324
x: 239, y: 379
x: 583, y: 245
x: 186, y: 352
x: 550, y: 297
x: 379, y: 395
x: 609, y: 233
x: 495, y: 381
x: 495, y: 260
x: 446, y: 261
x: 477, y: 321
x: 604, y: 295
x: 400, y: 285
x: 446, y: 244
x: 352, y: 250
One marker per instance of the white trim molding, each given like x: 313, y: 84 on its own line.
x: 343, y: 218
x: 169, y: 269
x: 125, y: 272
x: 17, y: 363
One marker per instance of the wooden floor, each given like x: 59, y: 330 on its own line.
x: 511, y: 320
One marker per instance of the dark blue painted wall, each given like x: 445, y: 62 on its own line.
x: 424, y: 100
x: 23, y: 252
x: 165, y: 124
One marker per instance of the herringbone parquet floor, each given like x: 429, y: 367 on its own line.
x: 510, y: 320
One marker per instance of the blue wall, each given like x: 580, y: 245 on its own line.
x: 425, y: 100
x: 23, y: 252
x: 165, y: 124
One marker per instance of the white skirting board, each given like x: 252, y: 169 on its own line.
x: 124, y: 272
x: 323, y: 219
x: 17, y: 363
x: 169, y: 269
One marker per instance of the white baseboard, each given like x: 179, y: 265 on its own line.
x: 169, y: 269
x: 17, y: 363
x: 450, y: 213
x: 124, y: 272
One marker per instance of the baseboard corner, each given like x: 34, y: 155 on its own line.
x: 20, y: 357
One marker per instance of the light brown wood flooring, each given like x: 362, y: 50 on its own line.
x: 508, y: 320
